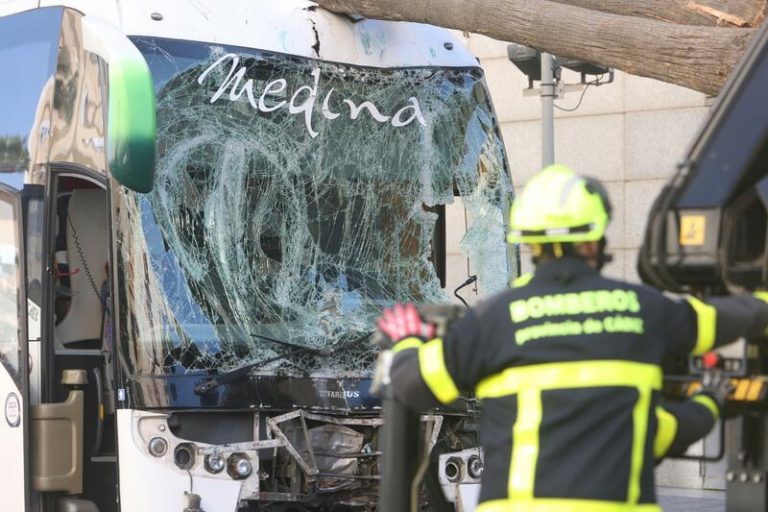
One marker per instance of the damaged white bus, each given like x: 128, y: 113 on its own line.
x: 203, y: 207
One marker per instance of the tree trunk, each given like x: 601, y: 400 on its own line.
x: 696, y: 57
x: 732, y: 13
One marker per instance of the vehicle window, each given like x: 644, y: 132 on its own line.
x: 291, y: 203
x: 10, y: 286
x: 28, y: 45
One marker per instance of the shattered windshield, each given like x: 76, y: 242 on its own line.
x: 294, y: 199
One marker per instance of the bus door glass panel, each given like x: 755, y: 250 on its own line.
x: 13, y: 353
x: 33, y: 204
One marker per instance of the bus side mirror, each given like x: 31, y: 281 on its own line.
x: 131, y: 126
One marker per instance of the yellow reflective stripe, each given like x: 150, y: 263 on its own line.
x: 522, y: 280
x: 528, y: 382
x: 572, y: 374
x: 525, y: 449
x: 742, y: 387
x: 434, y: 372
x: 639, y: 431
x: 665, y: 432
x: 564, y: 505
x: 406, y: 343
x: 706, y: 321
x: 754, y: 391
x: 709, y: 403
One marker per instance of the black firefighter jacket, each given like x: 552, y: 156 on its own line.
x: 567, y: 367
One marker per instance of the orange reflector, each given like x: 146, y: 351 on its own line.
x: 694, y: 387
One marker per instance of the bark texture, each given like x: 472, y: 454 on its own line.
x: 727, y: 13
x: 697, y: 57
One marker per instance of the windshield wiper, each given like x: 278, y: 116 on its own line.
x: 313, y: 350
x: 218, y: 380
x: 352, y: 343
x: 294, y: 346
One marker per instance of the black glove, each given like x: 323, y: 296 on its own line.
x: 717, y: 386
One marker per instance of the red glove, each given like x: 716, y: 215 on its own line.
x: 400, y: 322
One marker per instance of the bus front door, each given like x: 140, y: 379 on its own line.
x: 14, y: 360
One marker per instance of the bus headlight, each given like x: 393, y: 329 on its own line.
x: 475, y: 467
x: 239, y: 466
x: 215, y: 463
x: 158, y: 446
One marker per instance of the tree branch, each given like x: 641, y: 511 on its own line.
x: 696, y: 57
x: 733, y: 13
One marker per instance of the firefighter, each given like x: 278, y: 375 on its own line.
x: 567, y: 363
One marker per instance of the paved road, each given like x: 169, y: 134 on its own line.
x: 687, y: 500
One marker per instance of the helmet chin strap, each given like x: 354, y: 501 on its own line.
x: 556, y: 250
x: 551, y: 251
x: 602, y: 258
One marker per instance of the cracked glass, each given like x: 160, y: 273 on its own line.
x: 294, y: 198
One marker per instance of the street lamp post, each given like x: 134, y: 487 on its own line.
x: 547, y: 109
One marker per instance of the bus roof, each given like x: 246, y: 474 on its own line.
x: 296, y: 27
